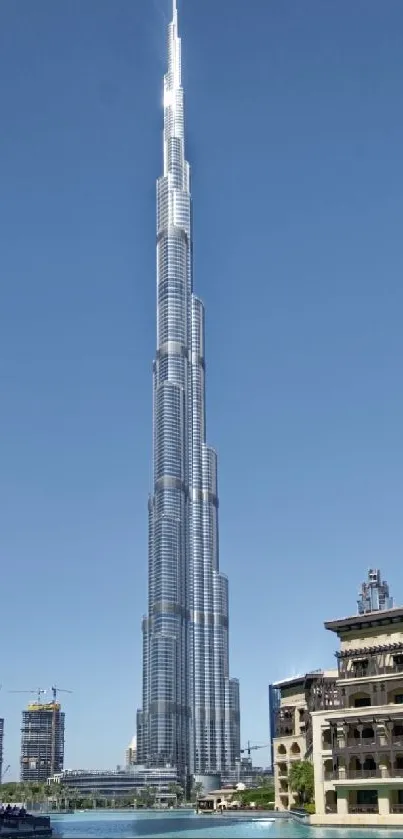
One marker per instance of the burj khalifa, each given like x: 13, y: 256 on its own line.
x: 190, y: 707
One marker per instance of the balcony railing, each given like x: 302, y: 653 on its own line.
x: 373, y: 809
x: 353, y: 774
x: 373, y: 669
x: 380, y: 741
x: 396, y: 808
x: 340, y: 774
x: 362, y: 741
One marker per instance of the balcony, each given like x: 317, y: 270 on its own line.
x: 359, y: 742
x: 284, y: 730
x: 378, y: 742
x: 374, y: 809
x: 396, y: 808
x: 352, y: 774
x: 344, y: 774
x: 370, y: 670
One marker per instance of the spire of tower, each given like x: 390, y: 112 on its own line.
x: 174, y: 12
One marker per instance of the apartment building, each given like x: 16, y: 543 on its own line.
x: 358, y: 744
x: 295, y: 700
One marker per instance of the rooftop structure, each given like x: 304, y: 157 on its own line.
x: 374, y: 595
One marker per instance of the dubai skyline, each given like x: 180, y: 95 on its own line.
x: 295, y: 139
x: 190, y: 706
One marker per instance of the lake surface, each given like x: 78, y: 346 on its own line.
x: 187, y: 825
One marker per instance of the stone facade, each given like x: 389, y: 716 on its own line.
x: 358, y: 745
x: 292, y: 740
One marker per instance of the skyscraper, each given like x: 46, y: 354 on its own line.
x: 42, y: 741
x: 374, y: 594
x: 190, y: 707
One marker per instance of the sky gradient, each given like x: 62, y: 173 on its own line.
x: 295, y: 132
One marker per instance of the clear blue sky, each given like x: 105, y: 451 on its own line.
x: 295, y: 135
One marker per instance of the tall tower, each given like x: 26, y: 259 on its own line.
x: 188, y: 716
x: 42, y: 741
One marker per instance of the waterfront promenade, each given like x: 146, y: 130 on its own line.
x: 21, y: 825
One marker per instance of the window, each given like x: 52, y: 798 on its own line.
x: 362, y: 702
x: 360, y: 667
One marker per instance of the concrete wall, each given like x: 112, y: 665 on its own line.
x: 367, y: 637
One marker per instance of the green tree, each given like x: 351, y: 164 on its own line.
x: 196, y: 791
x: 147, y: 797
x: 301, y: 780
x: 176, y: 789
x: 261, y: 797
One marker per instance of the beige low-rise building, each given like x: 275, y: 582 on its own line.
x: 292, y: 740
x: 358, y: 745
x: 219, y: 799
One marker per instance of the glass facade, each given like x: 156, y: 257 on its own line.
x: 274, y: 705
x: 113, y: 784
x: 190, y: 707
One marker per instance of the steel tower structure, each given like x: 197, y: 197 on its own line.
x: 189, y: 705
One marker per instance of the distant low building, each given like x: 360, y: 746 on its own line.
x: 219, y: 799
x: 112, y: 784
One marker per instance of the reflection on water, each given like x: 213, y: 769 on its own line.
x: 177, y: 825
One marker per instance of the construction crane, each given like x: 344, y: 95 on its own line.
x: 55, y: 690
x: 251, y: 748
x: 38, y: 692
x: 42, y: 691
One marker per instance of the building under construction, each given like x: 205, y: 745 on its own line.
x: 42, y: 741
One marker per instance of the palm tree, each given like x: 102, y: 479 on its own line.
x: 301, y: 780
